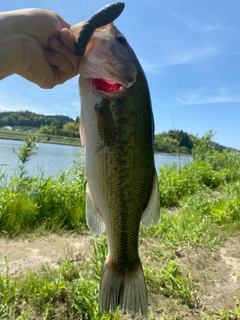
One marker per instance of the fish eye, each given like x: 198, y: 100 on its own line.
x: 121, y: 39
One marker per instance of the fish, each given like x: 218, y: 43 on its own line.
x: 117, y: 132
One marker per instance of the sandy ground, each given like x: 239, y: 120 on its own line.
x: 217, y: 273
x: 23, y: 255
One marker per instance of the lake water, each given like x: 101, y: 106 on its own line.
x: 53, y: 158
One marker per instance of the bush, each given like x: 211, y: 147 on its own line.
x: 27, y: 204
x: 178, y: 184
x: 209, y: 169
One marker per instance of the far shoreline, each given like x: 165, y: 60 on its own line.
x: 69, y: 142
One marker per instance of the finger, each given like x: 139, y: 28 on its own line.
x: 67, y: 38
x: 56, y: 46
x: 43, y: 75
x: 35, y: 67
x: 63, y: 69
x: 75, y: 29
x: 64, y: 23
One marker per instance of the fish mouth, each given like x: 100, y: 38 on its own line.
x: 106, y: 85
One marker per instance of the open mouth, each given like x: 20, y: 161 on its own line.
x: 105, y: 85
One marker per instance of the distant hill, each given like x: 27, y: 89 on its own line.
x: 30, y: 119
x: 180, y: 142
x: 173, y: 141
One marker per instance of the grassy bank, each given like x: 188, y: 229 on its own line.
x: 200, y: 211
x: 20, y: 135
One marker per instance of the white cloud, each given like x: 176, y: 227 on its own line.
x: 3, y: 108
x: 223, y: 95
x: 75, y: 103
x: 201, y: 27
x: 181, y: 57
x: 14, y: 106
x: 190, y: 55
x: 214, y: 27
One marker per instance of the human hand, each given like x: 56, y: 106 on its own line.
x: 44, y: 51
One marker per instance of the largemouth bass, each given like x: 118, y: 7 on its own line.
x: 117, y: 131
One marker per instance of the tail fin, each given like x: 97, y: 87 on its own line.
x: 126, y: 290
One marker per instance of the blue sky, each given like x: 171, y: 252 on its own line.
x: 190, y: 51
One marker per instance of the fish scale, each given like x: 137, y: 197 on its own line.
x: 117, y: 131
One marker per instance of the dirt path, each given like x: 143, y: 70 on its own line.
x: 23, y: 255
x: 218, y: 273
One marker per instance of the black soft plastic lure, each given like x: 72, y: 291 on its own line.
x: 102, y: 17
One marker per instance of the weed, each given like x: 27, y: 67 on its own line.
x: 171, y: 282
x: 99, y: 256
x: 25, y: 153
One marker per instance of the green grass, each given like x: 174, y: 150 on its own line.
x: 200, y: 208
x: 63, y: 293
x: 41, y: 204
x: 21, y: 135
x: 46, y: 204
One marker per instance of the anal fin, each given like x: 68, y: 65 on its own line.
x: 94, y: 219
x: 151, y: 214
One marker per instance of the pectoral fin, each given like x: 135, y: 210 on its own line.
x: 105, y: 123
x: 82, y: 131
x: 151, y: 214
x: 94, y: 219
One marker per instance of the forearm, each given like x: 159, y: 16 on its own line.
x: 10, y: 44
